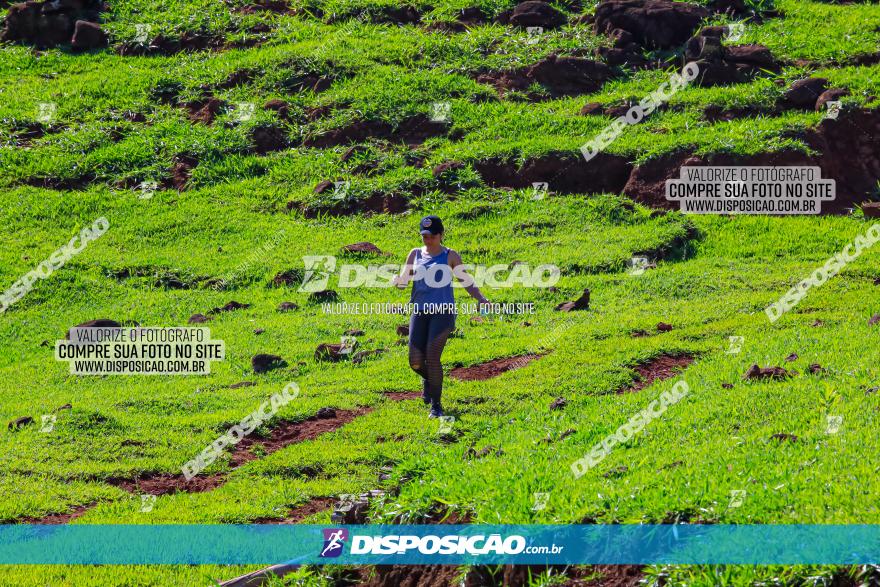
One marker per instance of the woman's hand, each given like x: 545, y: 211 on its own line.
x: 400, y: 281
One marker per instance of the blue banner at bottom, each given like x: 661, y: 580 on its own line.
x: 451, y: 545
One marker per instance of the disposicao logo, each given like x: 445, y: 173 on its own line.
x: 334, y: 540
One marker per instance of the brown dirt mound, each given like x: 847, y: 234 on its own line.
x: 50, y: 23
x: 412, y: 131
x: 582, y: 303
x: 560, y: 76
x: 263, y: 362
x: 181, y: 170
x: 64, y: 518
x: 288, y: 433
x: 565, y: 173
x: 268, y: 138
x: 204, y: 110
x: 299, y: 513
x: 658, y: 368
x: 492, y: 368
x: 655, y: 24
x: 535, y: 13
x: 849, y: 153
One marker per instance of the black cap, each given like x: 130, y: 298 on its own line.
x: 431, y: 225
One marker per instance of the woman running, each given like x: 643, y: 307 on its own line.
x: 433, y: 316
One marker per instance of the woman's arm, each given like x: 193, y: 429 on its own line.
x: 464, y: 276
x: 406, y: 272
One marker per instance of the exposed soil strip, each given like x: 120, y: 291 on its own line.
x: 165, y: 483
x: 64, y: 518
x: 286, y: 433
x: 658, y: 368
x: 400, y: 396
x: 492, y: 368
x: 299, y: 513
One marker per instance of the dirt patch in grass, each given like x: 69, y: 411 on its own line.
x: 165, y: 483
x: 564, y: 173
x: 658, y: 368
x: 163, y: 45
x: 288, y: 433
x: 559, y: 76
x: 78, y: 183
x: 282, y: 435
x: 204, y: 110
x: 412, y: 131
x: 377, y: 203
x: 53, y: 519
x: 493, y: 368
x: 299, y: 513
x: 400, y: 396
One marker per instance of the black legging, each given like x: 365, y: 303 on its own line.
x: 427, y: 337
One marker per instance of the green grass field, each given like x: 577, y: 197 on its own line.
x: 226, y: 229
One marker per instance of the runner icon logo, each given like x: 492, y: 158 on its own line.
x: 334, y: 540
